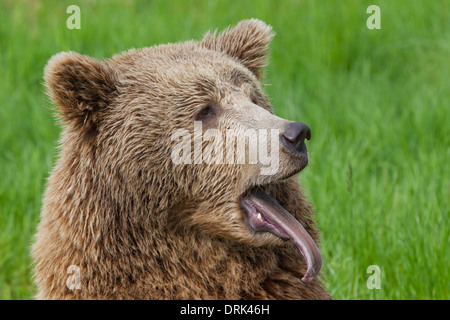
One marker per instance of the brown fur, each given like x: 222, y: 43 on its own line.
x: 139, y: 226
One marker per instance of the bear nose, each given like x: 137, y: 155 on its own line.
x: 294, y: 136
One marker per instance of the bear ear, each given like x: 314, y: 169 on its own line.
x: 82, y: 87
x: 248, y: 42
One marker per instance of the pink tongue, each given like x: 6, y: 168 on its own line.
x: 283, y: 221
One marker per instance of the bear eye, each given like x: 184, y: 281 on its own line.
x: 206, y: 113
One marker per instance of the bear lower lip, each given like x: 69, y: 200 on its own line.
x: 259, y: 222
x: 264, y: 214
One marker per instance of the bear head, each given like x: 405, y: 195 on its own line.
x: 187, y: 130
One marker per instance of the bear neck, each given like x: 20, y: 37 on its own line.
x: 100, y: 207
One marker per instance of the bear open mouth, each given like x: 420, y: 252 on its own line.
x: 264, y: 214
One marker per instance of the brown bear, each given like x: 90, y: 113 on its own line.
x: 122, y: 219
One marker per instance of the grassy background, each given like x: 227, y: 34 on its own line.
x: 378, y: 103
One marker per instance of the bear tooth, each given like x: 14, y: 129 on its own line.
x: 259, y: 216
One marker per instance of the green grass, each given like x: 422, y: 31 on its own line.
x: 378, y: 103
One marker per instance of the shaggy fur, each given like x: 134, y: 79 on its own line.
x: 139, y: 226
